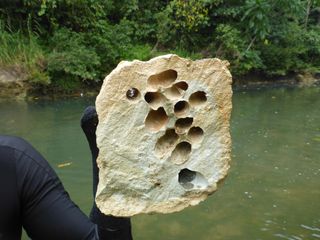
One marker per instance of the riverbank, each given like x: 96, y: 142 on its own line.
x: 58, y: 44
x: 14, y: 85
x: 254, y: 81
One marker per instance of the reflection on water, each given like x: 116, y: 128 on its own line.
x: 273, y: 188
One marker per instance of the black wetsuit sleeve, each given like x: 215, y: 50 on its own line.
x: 45, y: 209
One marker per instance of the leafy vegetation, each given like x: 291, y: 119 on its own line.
x: 66, y: 42
x: 24, y: 55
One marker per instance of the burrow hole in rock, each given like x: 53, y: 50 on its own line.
x: 181, y: 85
x: 183, y: 124
x: 156, y: 119
x: 166, y: 143
x: 132, y: 94
x: 163, y: 79
x: 176, y: 91
x: 154, y: 99
x: 198, y: 98
x: 173, y: 93
x: 191, y: 179
x: 195, y: 134
x: 181, y: 153
x: 181, y: 108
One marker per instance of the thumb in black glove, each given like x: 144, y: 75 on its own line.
x: 109, y: 227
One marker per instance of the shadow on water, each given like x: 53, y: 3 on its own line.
x: 273, y: 187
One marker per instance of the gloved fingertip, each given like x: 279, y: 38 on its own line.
x: 89, y: 115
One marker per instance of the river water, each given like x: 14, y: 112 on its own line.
x: 273, y: 187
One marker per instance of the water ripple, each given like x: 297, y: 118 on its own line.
x: 310, y: 228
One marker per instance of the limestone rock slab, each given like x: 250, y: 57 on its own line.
x: 163, y: 134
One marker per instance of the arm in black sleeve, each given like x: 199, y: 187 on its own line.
x: 109, y: 227
x: 44, y: 207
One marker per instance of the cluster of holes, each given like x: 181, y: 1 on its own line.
x: 163, y: 87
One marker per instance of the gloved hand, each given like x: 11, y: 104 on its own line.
x: 109, y: 227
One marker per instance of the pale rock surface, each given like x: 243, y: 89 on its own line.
x: 163, y: 134
x: 12, y: 84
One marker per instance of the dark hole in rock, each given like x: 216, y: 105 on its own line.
x: 132, y: 93
x: 195, y: 134
x: 181, y: 108
x: 173, y: 93
x: 156, y: 119
x: 191, y: 179
x: 154, y: 99
x: 149, y: 97
x: 182, y: 85
x: 181, y: 153
x: 163, y: 79
x: 183, y: 124
x: 197, y: 98
x: 186, y: 176
x: 166, y: 143
x: 176, y: 91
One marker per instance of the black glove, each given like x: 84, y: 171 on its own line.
x: 109, y: 227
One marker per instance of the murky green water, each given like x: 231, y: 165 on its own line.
x: 273, y: 188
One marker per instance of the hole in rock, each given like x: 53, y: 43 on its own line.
x: 181, y: 85
x: 181, y: 108
x: 181, y: 153
x: 186, y: 175
x: 156, y: 119
x: 176, y: 91
x: 198, y: 98
x: 173, y: 93
x: 154, y: 99
x: 163, y: 79
x: 166, y: 143
x: 132, y: 93
x: 191, y: 179
x: 183, y: 124
x: 195, y: 134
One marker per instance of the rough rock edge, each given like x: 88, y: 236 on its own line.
x: 168, y: 207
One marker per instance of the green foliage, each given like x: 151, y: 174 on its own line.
x: 268, y: 36
x: 255, y: 17
x: 181, y: 21
x: 76, y: 41
x: 232, y: 46
x: 293, y: 50
x: 312, y: 53
x: 24, y: 55
x: 189, y: 15
x: 141, y: 52
x: 70, y: 56
x: 111, y: 42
